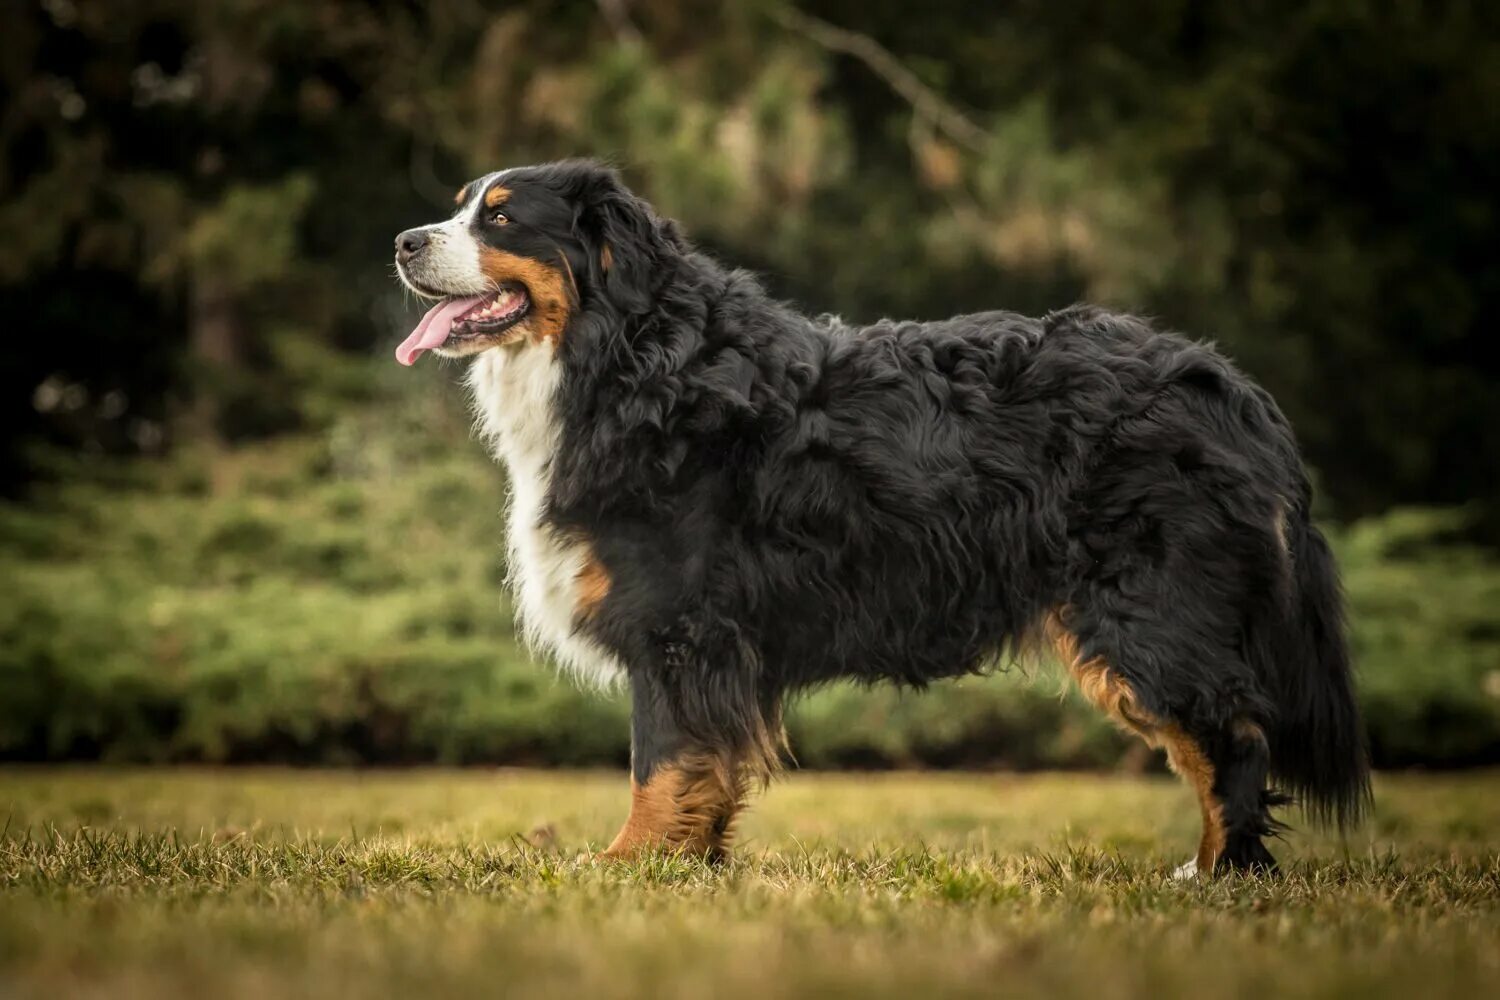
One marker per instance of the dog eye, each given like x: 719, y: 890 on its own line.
x: 499, y: 218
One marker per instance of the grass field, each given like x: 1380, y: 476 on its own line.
x: 283, y: 884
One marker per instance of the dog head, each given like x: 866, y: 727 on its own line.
x: 526, y: 251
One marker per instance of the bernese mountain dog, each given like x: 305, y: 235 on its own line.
x: 722, y: 501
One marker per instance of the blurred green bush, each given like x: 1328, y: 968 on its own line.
x: 336, y: 597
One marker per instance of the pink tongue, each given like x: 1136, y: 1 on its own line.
x: 435, y: 326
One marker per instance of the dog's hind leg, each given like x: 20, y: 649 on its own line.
x: 1226, y: 770
x: 1241, y: 761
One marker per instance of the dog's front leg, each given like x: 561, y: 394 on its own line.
x: 685, y: 792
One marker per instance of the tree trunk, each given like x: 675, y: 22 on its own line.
x: 215, y: 329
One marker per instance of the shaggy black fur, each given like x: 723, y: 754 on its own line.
x: 780, y: 501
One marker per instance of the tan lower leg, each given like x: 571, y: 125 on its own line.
x: 686, y: 805
x: 1104, y: 686
x: 1188, y: 759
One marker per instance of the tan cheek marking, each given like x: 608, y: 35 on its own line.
x: 496, y: 196
x: 1113, y: 695
x: 606, y: 258
x: 547, y: 286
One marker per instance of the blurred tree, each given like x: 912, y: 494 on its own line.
x: 164, y: 162
x: 1313, y: 184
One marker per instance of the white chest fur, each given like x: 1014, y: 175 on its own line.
x: 514, y: 393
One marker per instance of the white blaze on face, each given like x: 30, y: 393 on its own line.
x: 451, y: 262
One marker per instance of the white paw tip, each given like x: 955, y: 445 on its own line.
x: 1186, y: 871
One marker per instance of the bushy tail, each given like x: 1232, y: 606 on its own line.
x: 1318, y: 748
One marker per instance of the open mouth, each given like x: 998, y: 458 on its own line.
x: 493, y: 313
x: 465, y: 318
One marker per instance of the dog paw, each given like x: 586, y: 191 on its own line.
x: 1186, y: 871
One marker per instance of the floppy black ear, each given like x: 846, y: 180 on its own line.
x: 630, y: 247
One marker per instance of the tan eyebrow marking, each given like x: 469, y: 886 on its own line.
x: 462, y: 196
x: 496, y: 196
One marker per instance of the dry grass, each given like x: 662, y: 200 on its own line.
x: 279, y: 883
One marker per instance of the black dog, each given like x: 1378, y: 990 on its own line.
x: 724, y: 501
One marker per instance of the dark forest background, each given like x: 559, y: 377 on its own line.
x: 232, y: 530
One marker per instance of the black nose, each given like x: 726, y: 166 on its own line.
x: 409, y: 243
